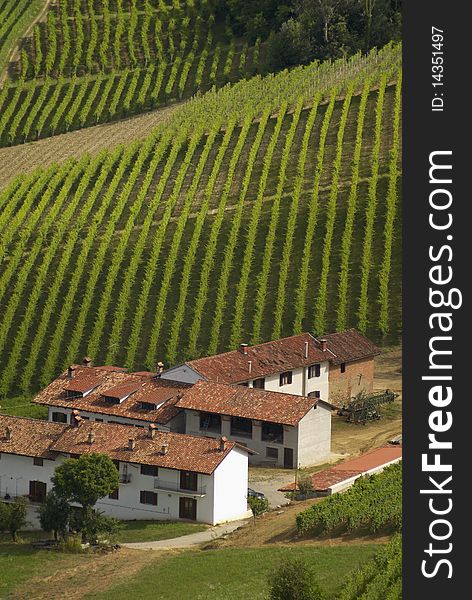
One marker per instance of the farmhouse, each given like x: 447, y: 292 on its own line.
x: 334, y: 367
x: 162, y: 475
x: 111, y: 395
x: 285, y: 430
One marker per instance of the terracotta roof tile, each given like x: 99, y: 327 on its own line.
x: 29, y: 437
x: 251, y: 403
x: 283, y: 355
x: 122, y: 391
x: 350, y: 345
x: 353, y: 467
x: 185, y: 452
x: 81, y: 384
x: 152, y: 390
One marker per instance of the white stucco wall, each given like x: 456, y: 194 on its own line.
x: 177, y: 424
x: 230, y: 487
x: 314, y: 436
x: 17, y: 471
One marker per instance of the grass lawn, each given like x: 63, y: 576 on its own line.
x: 20, y: 562
x: 22, y: 407
x: 149, y: 531
x: 234, y: 573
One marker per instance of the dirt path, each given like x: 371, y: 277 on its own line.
x: 24, y: 158
x: 14, y: 53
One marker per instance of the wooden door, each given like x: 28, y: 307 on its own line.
x: 288, y: 458
x: 37, y: 491
x: 188, y: 508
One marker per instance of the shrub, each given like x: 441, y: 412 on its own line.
x: 295, y: 580
x: 13, y: 516
x: 258, y: 505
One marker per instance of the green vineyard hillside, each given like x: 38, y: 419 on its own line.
x: 93, y: 61
x: 259, y: 210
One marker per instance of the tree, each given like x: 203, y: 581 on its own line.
x: 295, y: 580
x: 86, y: 479
x: 13, y: 516
x: 290, y: 46
x: 54, y: 515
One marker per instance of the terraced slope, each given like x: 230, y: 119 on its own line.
x: 255, y: 212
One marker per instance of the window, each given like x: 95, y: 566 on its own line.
x: 272, y: 432
x: 188, y: 480
x: 343, y: 367
x: 111, y: 400
x: 72, y: 394
x: 98, y: 420
x: 285, y: 378
x: 37, y: 491
x: 210, y: 422
x: 147, y: 406
x: 272, y: 453
x: 114, y: 495
x: 38, y: 462
x: 259, y: 383
x: 241, y: 427
x: 148, y: 497
x: 59, y: 417
x: 149, y: 470
x: 245, y: 384
x: 314, y: 371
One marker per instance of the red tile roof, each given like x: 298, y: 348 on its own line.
x: 122, y: 391
x: 81, y: 384
x: 251, y: 403
x: 354, y: 467
x: 153, y: 390
x: 283, y: 355
x: 29, y: 437
x: 350, y: 345
x: 185, y: 452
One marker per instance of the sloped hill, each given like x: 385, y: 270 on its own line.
x: 256, y: 212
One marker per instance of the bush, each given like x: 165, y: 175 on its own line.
x: 13, y: 516
x: 295, y: 580
x: 258, y: 505
x: 72, y: 544
x: 54, y: 515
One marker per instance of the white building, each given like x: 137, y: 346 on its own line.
x: 333, y: 368
x: 283, y: 429
x: 162, y: 475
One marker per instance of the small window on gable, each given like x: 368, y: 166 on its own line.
x: 259, y: 383
x: 314, y: 371
x: 285, y: 378
x: 343, y: 367
x: 38, y: 462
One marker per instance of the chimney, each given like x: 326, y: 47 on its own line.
x: 306, y: 349
x: 243, y: 348
x: 323, y: 344
x: 160, y: 368
x: 91, y: 437
x: 131, y: 444
x: 87, y: 362
x: 249, y: 364
x: 76, y: 419
x: 152, y: 431
x: 223, y: 443
x: 71, y: 372
x: 8, y: 434
x: 164, y: 448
